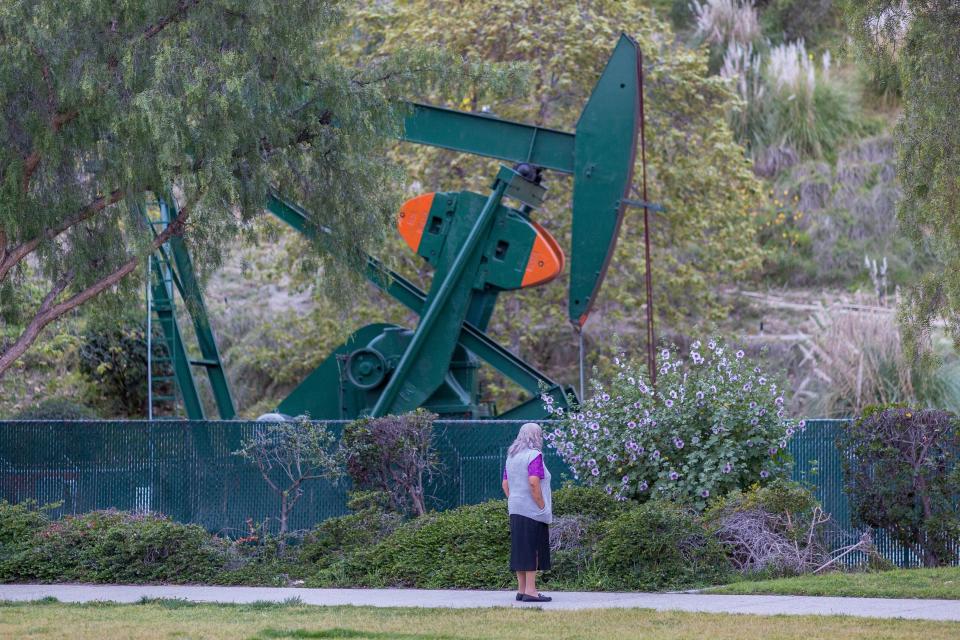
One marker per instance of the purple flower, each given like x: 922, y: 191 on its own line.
x: 699, y: 395
x: 625, y: 479
x: 595, y: 471
x: 678, y: 443
x: 762, y: 381
x: 669, y: 403
x: 674, y: 475
x: 631, y: 425
x: 606, y: 397
x: 665, y: 354
x: 594, y: 426
x: 573, y: 431
x: 772, y: 450
x: 705, y: 494
x: 727, y: 468
x: 656, y: 454
x: 740, y: 354
x: 608, y: 489
x: 643, y: 486
x: 764, y: 474
x: 591, y: 462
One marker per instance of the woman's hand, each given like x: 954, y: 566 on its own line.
x: 536, y: 492
x: 506, y: 488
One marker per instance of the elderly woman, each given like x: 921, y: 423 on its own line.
x: 526, y: 482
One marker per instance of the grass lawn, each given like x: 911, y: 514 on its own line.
x: 901, y: 583
x: 174, y: 619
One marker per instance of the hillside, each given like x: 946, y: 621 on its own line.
x: 828, y: 262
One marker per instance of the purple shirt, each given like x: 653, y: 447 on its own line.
x: 535, y: 468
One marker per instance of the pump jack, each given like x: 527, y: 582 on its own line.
x: 478, y: 247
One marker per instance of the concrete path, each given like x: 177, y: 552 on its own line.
x: 764, y: 605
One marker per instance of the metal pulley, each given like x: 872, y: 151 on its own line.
x: 366, y: 368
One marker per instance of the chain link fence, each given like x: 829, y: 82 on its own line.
x: 187, y: 471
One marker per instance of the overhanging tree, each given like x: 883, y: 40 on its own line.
x: 104, y: 105
x: 923, y: 38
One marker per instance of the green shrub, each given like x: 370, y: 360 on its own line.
x: 18, y: 522
x: 467, y: 548
x: 809, y: 20
x: 113, y: 546
x: 335, y: 539
x: 57, y: 409
x: 901, y: 474
x: 113, y: 356
x: 715, y: 422
x: 780, y: 496
x: 392, y: 454
x: 659, y: 545
x: 589, y: 502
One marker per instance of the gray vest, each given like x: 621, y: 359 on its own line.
x: 521, y: 500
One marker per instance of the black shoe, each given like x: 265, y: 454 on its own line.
x: 537, y: 598
x: 519, y: 596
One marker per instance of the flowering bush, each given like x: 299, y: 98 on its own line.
x: 714, y: 423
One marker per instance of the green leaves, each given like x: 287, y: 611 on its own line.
x: 915, y: 454
x: 713, y: 423
x: 217, y: 101
x: 919, y: 40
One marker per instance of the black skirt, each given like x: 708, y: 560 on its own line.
x: 529, y: 544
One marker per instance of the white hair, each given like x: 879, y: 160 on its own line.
x: 529, y: 437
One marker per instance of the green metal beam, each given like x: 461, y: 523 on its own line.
x: 605, y: 151
x: 201, y: 324
x: 419, y: 372
x: 409, y: 295
x: 486, y: 135
x: 163, y: 307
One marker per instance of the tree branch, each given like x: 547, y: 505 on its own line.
x: 8, y: 258
x: 32, y: 161
x: 48, y: 312
x: 183, y: 7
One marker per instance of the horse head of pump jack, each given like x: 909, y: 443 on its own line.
x: 479, y: 246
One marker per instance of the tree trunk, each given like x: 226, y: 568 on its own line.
x: 283, y: 516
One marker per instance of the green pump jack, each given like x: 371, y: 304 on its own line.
x: 479, y: 246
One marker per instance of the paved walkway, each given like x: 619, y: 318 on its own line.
x: 766, y: 605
